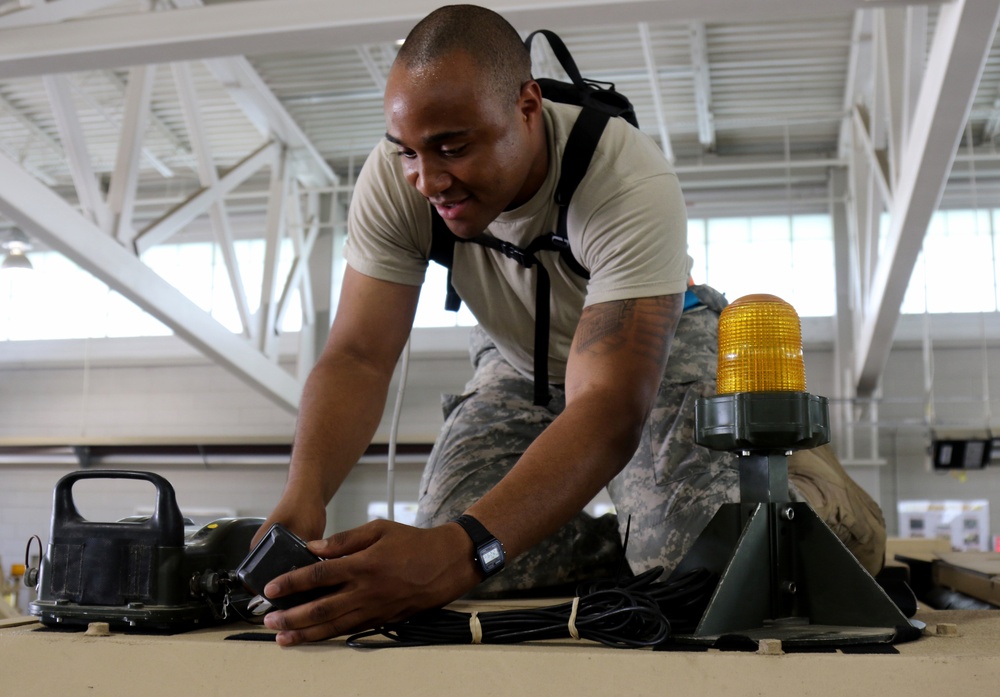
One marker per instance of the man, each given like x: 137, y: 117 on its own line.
x: 469, y: 135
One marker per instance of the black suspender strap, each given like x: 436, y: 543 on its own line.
x: 579, y: 151
x: 443, y: 252
x: 526, y: 258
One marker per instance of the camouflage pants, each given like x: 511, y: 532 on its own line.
x: 671, y: 488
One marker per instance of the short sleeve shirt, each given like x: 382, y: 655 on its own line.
x: 626, y: 226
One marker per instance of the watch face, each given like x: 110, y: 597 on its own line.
x: 491, y: 556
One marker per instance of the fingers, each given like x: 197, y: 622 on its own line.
x: 349, y: 541
x: 381, y: 572
x: 322, y: 574
x: 330, y: 616
x: 310, y: 621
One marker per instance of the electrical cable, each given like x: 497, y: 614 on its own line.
x: 634, y: 613
x: 390, y: 474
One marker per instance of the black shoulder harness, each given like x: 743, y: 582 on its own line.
x: 599, y: 104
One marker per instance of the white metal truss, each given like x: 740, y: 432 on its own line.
x: 702, y: 85
x: 303, y: 234
x: 654, y: 86
x: 125, y: 177
x: 29, y: 124
x: 858, y: 64
x: 42, y: 12
x: 209, y: 178
x: 273, y: 231
x: 203, y: 199
x: 49, y: 218
x: 111, y: 114
x: 95, y: 208
x: 366, y: 53
x: 113, y: 218
x: 903, y: 152
x: 843, y: 343
x: 157, y: 123
x: 265, y: 111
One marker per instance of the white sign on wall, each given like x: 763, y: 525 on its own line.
x: 965, y: 523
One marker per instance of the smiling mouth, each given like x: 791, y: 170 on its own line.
x: 449, y: 210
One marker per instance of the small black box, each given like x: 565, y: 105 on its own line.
x: 277, y: 553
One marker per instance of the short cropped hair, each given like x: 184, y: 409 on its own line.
x: 493, y: 44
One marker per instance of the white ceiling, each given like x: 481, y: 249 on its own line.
x: 767, y: 80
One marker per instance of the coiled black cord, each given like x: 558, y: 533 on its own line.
x: 634, y: 613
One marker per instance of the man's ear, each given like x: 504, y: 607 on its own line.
x: 530, y: 101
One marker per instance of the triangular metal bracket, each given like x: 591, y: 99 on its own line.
x: 784, y: 574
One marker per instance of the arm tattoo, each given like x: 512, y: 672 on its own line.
x: 647, y: 324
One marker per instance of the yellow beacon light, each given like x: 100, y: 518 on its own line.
x: 760, y: 347
x: 783, y: 573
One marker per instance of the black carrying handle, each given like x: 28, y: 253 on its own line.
x: 166, y: 520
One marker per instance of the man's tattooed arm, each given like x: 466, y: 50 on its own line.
x: 639, y: 328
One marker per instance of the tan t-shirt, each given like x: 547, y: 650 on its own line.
x: 626, y: 225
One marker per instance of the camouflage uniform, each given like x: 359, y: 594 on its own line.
x: 671, y: 487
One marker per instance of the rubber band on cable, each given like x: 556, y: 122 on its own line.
x: 476, y: 628
x: 571, y: 624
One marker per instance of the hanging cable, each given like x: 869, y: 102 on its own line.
x: 987, y: 409
x: 390, y: 477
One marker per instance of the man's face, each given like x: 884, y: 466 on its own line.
x: 470, y: 153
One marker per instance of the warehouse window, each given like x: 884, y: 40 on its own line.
x: 957, y: 269
x: 738, y: 256
x: 787, y: 256
x: 58, y: 300
x: 430, y: 309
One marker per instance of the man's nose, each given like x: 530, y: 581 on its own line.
x: 431, y: 179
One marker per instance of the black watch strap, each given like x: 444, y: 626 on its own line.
x: 490, y: 555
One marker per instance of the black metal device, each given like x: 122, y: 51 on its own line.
x: 278, y: 552
x: 783, y: 574
x: 141, y: 572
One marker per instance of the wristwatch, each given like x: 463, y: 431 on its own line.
x: 490, y: 556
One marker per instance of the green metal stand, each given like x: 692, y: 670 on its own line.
x: 783, y: 574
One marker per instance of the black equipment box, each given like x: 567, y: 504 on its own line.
x: 140, y: 572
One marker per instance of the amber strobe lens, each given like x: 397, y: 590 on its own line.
x: 760, y: 347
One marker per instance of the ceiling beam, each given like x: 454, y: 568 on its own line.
x: 209, y: 177
x: 33, y: 128
x: 42, y: 12
x: 962, y: 41
x: 702, y: 85
x: 266, y: 112
x: 858, y: 64
x: 47, y: 217
x: 877, y: 157
x: 259, y: 103
x: 125, y: 177
x: 162, y: 229
x: 88, y: 190
x: 654, y: 87
x: 371, y: 65
x: 270, y: 26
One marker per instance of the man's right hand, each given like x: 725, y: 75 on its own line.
x: 307, y: 519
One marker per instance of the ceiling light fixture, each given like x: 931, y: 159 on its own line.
x: 16, y: 246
